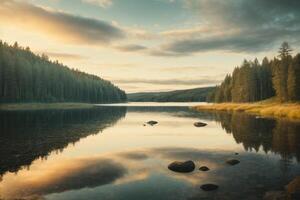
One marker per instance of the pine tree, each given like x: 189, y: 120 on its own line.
x: 291, y: 83
x: 285, y: 50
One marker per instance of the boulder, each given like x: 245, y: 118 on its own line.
x: 209, y: 187
x: 199, y: 124
x: 204, y: 168
x: 293, y: 188
x: 183, y: 167
x: 275, y: 195
x: 152, y: 122
x: 232, y: 162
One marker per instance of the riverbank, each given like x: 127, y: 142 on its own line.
x: 44, y: 106
x: 265, y: 109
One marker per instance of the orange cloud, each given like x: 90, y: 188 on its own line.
x: 58, y: 25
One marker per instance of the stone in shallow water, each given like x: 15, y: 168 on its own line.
x: 232, y: 162
x: 152, y: 122
x: 209, y: 187
x: 293, y: 188
x: 204, y: 168
x: 183, y: 167
x: 199, y: 124
x: 275, y: 195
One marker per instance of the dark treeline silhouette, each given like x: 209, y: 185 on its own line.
x: 254, y: 81
x: 29, y: 135
x: 26, y: 77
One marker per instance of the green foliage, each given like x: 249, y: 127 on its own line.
x: 191, y: 95
x: 26, y: 77
x: 254, y: 81
x: 286, y: 75
x: 248, y: 83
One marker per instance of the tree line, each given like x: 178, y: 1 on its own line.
x: 26, y: 77
x: 255, y: 81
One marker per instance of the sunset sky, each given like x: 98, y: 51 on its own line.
x: 152, y: 45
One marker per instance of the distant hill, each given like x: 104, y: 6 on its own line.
x: 189, y: 95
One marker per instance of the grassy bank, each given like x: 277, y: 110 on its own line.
x: 267, y: 109
x: 44, y: 106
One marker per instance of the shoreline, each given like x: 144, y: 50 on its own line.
x: 274, y: 110
x: 43, y: 106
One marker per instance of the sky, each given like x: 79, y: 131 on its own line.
x: 152, y: 45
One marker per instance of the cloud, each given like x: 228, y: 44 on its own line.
x: 131, y: 48
x: 191, y: 32
x: 164, y: 53
x: 59, y: 25
x: 66, y: 56
x: 236, y: 26
x: 101, y: 3
x: 183, y: 69
x: 253, y: 42
x: 199, y: 81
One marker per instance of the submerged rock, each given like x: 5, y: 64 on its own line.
x: 152, y: 122
x: 232, y: 162
x: 183, y: 167
x: 204, y: 168
x: 236, y: 153
x: 293, y: 188
x: 199, y: 124
x: 209, y: 187
x: 275, y: 195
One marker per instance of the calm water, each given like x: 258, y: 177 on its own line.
x: 106, y: 153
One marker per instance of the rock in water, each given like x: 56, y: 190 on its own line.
x: 293, y: 188
x: 152, y: 122
x: 183, y: 167
x: 232, y: 162
x: 204, y: 168
x: 275, y: 195
x: 199, y: 124
x: 209, y: 187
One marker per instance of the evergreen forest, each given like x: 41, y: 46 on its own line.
x: 27, y: 77
x: 255, y: 81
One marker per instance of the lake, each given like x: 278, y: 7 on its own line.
x: 108, y: 153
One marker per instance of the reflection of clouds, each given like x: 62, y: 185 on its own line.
x: 140, y: 170
x: 68, y: 175
x: 134, y: 155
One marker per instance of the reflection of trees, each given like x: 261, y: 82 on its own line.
x: 28, y: 135
x: 278, y: 136
x: 286, y: 139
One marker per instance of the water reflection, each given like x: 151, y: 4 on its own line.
x: 64, y: 176
x: 28, y: 135
x: 277, y: 136
x: 143, y: 174
x: 129, y: 160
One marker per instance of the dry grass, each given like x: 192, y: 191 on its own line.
x: 44, y: 106
x: 268, y: 109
